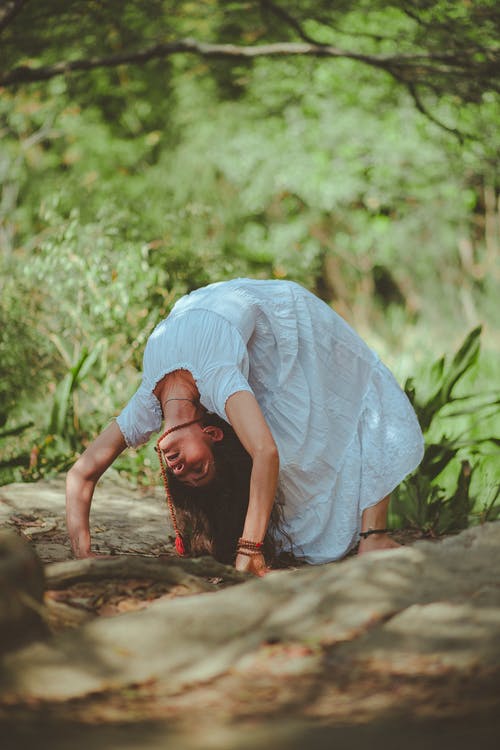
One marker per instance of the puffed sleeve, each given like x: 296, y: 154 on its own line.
x: 200, y: 341
x: 221, y: 361
x: 219, y: 384
x: 141, y: 417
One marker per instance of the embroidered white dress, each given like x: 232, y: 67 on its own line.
x: 346, y: 433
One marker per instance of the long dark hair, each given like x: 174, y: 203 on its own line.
x: 211, y: 518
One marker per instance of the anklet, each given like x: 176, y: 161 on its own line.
x: 368, y: 533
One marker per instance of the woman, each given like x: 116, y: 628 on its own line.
x: 329, y: 432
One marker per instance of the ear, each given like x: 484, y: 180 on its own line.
x: 214, y: 433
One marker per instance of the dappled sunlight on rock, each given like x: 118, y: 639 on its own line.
x: 416, y: 627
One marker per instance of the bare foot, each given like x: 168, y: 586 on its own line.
x: 375, y: 542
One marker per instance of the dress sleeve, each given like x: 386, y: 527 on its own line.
x: 202, y: 342
x: 222, y: 364
x: 218, y: 385
x: 141, y: 417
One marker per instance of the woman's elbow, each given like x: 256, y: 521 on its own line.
x: 82, y: 471
x: 268, y: 452
x: 75, y: 475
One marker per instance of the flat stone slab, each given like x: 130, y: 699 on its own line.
x: 431, y: 606
x: 398, y: 648
x: 123, y: 519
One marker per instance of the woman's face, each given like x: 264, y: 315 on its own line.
x: 189, y: 456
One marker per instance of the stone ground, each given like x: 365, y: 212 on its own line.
x: 399, y: 648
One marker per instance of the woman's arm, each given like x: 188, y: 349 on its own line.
x: 81, y: 481
x: 250, y: 426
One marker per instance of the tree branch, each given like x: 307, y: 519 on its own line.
x: 279, y: 12
x: 423, y: 109
x: 414, y: 16
x: 425, y: 63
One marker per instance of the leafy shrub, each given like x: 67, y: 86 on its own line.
x: 20, y: 355
x: 437, y: 497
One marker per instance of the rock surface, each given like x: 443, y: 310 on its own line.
x: 412, y: 632
x: 123, y: 519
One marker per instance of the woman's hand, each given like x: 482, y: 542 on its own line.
x: 80, y: 542
x: 78, y: 498
x: 255, y: 564
x: 80, y: 483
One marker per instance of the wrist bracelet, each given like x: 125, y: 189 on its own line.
x: 249, y: 543
x: 368, y: 533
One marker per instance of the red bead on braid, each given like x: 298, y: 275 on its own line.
x: 179, y: 545
x: 179, y: 542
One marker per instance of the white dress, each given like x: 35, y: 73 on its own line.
x: 346, y: 433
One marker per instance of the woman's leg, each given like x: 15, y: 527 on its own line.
x: 375, y: 517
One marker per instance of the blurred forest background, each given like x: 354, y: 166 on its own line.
x: 148, y: 148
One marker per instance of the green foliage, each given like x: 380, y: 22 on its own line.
x: 17, y: 353
x: 488, y: 490
x: 422, y: 501
x: 20, y: 350
x: 442, y: 382
x: 124, y: 187
x: 60, y: 422
x: 429, y: 508
x: 438, y: 48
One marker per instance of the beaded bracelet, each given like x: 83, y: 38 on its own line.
x: 249, y: 544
